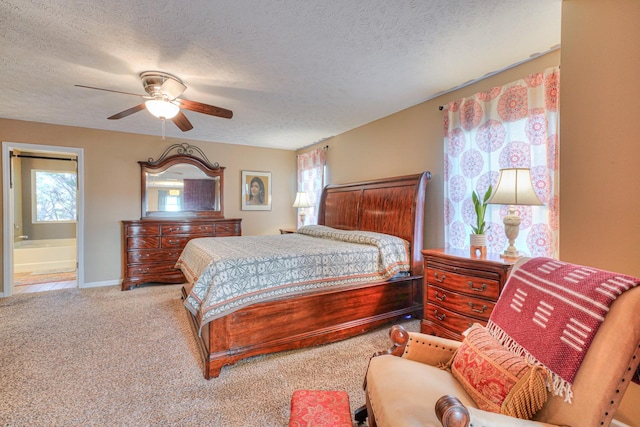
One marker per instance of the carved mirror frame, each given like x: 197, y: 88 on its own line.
x: 185, y: 154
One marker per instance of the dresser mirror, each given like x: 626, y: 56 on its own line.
x: 182, y: 185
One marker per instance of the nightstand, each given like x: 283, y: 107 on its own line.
x: 460, y: 290
x: 287, y: 230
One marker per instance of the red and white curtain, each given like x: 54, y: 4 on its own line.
x: 311, y: 180
x: 515, y: 125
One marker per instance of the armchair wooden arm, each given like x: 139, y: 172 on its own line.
x: 451, y: 412
x: 399, y: 337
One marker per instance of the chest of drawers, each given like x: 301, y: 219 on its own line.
x: 460, y: 290
x: 151, y: 247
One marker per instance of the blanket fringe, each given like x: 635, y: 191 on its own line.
x: 555, y: 383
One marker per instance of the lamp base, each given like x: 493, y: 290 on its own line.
x: 512, y: 229
x: 510, y: 254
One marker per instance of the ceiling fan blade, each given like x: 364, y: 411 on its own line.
x: 128, y: 112
x: 199, y: 107
x: 172, y: 88
x: 109, y: 90
x: 182, y: 122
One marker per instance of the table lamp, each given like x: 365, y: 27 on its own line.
x: 514, y: 188
x: 302, y: 201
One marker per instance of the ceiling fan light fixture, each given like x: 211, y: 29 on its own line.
x: 162, y: 109
x: 163, y: 101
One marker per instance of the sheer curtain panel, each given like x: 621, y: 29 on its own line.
x: 513, y: 126
x: 311, y: 180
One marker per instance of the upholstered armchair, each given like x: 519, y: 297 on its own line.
x: 413, y: 384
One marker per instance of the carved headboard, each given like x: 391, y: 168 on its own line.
x: 391, y: 205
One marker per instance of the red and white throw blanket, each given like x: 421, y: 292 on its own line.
x: 549, y: 312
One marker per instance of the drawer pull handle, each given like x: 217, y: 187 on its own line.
x: 438, y: 278
x: 439, y: 316
x: 441, y: 297
x: 174, y: 242
x: 484, y: 307
x: 473, y: 288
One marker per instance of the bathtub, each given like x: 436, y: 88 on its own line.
x: 44, y: 256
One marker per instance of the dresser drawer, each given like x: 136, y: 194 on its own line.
x: 153, y: 255
x: 143, y: 230
x: 151, y: 269
x: 454, y: 321
x: 187, y: 229
x: 227, y: 229
x: 464, y: 281
x: 461, y: 303
x: 149, y: 242
x: 177, y: 242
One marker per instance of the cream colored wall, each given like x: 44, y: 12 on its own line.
x: 600, y: 134
x: 411, y: 141
x: 112, y: 183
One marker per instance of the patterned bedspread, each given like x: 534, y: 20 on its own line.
x: 228, y: 273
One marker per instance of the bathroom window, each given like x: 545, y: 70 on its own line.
x: 54, y: 196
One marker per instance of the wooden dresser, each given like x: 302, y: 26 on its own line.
x: 460, y: 290
x: 151, y: 247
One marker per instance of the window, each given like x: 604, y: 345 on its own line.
x: 512, y: 126
x: 172, y: 202
x: 54, y: 196
x: 311, y: 173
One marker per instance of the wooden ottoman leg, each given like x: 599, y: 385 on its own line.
x: 360, y: 414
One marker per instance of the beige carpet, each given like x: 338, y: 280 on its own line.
x: 97, y: 357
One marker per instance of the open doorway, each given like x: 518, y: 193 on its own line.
x: 42, y: 208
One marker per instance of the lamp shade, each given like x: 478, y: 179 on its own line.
x: 514, y: 188
x: 162, y: 109
x: 302, y: 201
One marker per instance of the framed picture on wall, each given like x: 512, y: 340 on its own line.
x: 256, y: 191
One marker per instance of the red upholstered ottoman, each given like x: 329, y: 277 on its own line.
x: 320, y: 408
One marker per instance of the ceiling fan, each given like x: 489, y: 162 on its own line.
x: 163, y: 90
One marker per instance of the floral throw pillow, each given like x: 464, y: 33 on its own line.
x: 496, y: 379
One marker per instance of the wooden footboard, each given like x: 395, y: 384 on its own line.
x: 304, y: 321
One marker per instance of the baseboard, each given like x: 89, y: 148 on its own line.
x: 99, y: 284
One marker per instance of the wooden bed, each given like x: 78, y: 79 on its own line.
x: 392, y: 206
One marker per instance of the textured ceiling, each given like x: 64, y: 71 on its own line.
x: 294, y: 72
